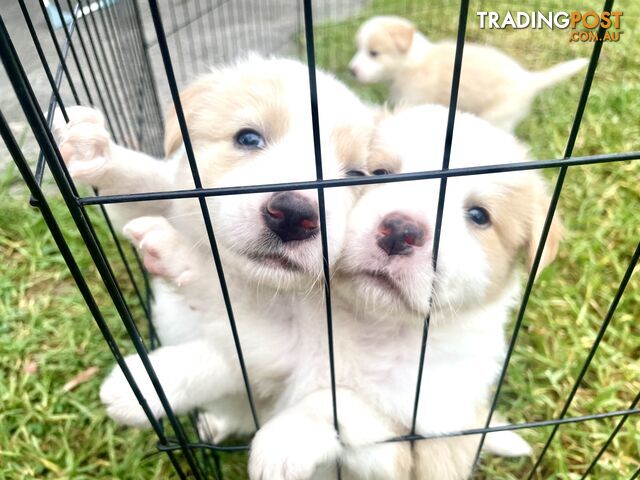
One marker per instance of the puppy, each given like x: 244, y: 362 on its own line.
x: 384, y: 287
x: 492, y: 85
x: 249, y: 123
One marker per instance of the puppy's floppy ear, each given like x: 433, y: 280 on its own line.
x: 191, y: 99
x: 402, y: 35
x: 540, y: 200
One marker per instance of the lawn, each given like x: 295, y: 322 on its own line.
x: 47, y: 336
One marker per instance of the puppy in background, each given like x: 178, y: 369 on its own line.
x: 492, y: 85
x: 385, y: 285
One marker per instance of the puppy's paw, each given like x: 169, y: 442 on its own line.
x: 118, y: 398
x: 212, y: 428
x: 164, y: 251
x: 84, y: 143
x: 507, y: 444
x: 291, y: 448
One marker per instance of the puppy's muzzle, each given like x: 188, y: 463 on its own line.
x: 291, y: 216
x: 399, y: 234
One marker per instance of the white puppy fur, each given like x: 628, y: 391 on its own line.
x: 281, y: 332
x: 492, y: 85
x: 382, y: 296
x: 249, y: 123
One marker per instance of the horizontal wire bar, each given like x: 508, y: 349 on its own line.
x: 347, y: 182
x: 458, y: 433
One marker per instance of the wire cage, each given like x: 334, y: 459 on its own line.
x: 129, y: 58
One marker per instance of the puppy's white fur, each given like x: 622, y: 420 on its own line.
x: 492, y: 85
x: 381, y: 302
x: 266, y: 278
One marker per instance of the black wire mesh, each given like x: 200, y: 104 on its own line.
x: 104, y: 54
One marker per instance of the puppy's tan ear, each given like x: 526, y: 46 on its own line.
x: 192, y: 101
x: 540, y: 200
x: 402, y: 35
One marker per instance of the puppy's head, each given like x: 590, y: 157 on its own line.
x: 251, y: 124
x: 383, y: 44
x: 489, y: 220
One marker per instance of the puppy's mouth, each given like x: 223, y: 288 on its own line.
x: 384, y: 281
x: 274, y: 260
x: 389, y: 287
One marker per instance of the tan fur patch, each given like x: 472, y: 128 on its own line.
x: 217, y: 106
x: 448, y: 458
x: 517, y: 216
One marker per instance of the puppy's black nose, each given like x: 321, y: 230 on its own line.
x: 291, y: 216
x: 398, y: 234
x: 353, y: 71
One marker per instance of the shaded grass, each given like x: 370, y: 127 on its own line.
x: 46, y: 433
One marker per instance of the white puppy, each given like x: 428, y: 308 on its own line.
x: 249, y: 123
x: 492, y: 85
x: 385, y: 286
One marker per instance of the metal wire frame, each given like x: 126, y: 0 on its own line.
x: 166, y: 58
x: 56, y: 99
x: 78, y: 204
x: 55, y: 163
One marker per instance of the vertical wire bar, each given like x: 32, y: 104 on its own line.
x: 92, y: 73
x: 118, y: 91
x: 74, y: 55
x: 126, y: 79
x: 201, y: 43
x: 112, y: 90
x: 166, y: 58
x: 137, y: 84
x: 147, y: 63
x: 108, y: 221
x: 32, y: 111
x: 53, y: 83
x: 453, y: 103
x: 76, y: 273
x: 618, y: 427
x: 193, y: 45
x: 178, y: 43
x: 592, y: 352
x: 315, y: 119
x: 61, y: 56
x: 573, y: 135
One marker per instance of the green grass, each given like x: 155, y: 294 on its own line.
x: 48, y: 433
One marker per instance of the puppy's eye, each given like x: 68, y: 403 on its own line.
x: 479, y: 216
x: 249, y: 139
x: 355, y: 173
x: 373, y: 53
x: 381, y: 171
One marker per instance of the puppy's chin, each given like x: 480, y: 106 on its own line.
x: 380, y: 294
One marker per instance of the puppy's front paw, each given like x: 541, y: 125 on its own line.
x: 291, y: 448
x: 119, y: 400
x: 164, y: 251
x: 84, y: 143
x: 212, y: 428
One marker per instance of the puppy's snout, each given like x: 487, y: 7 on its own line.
x: 353, y: 70
x: 291, y: 216
x: 399, y: 234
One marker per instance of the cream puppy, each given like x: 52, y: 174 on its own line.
x: 492, y: 85
x: 385, y: 285
x: 249, y: 123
